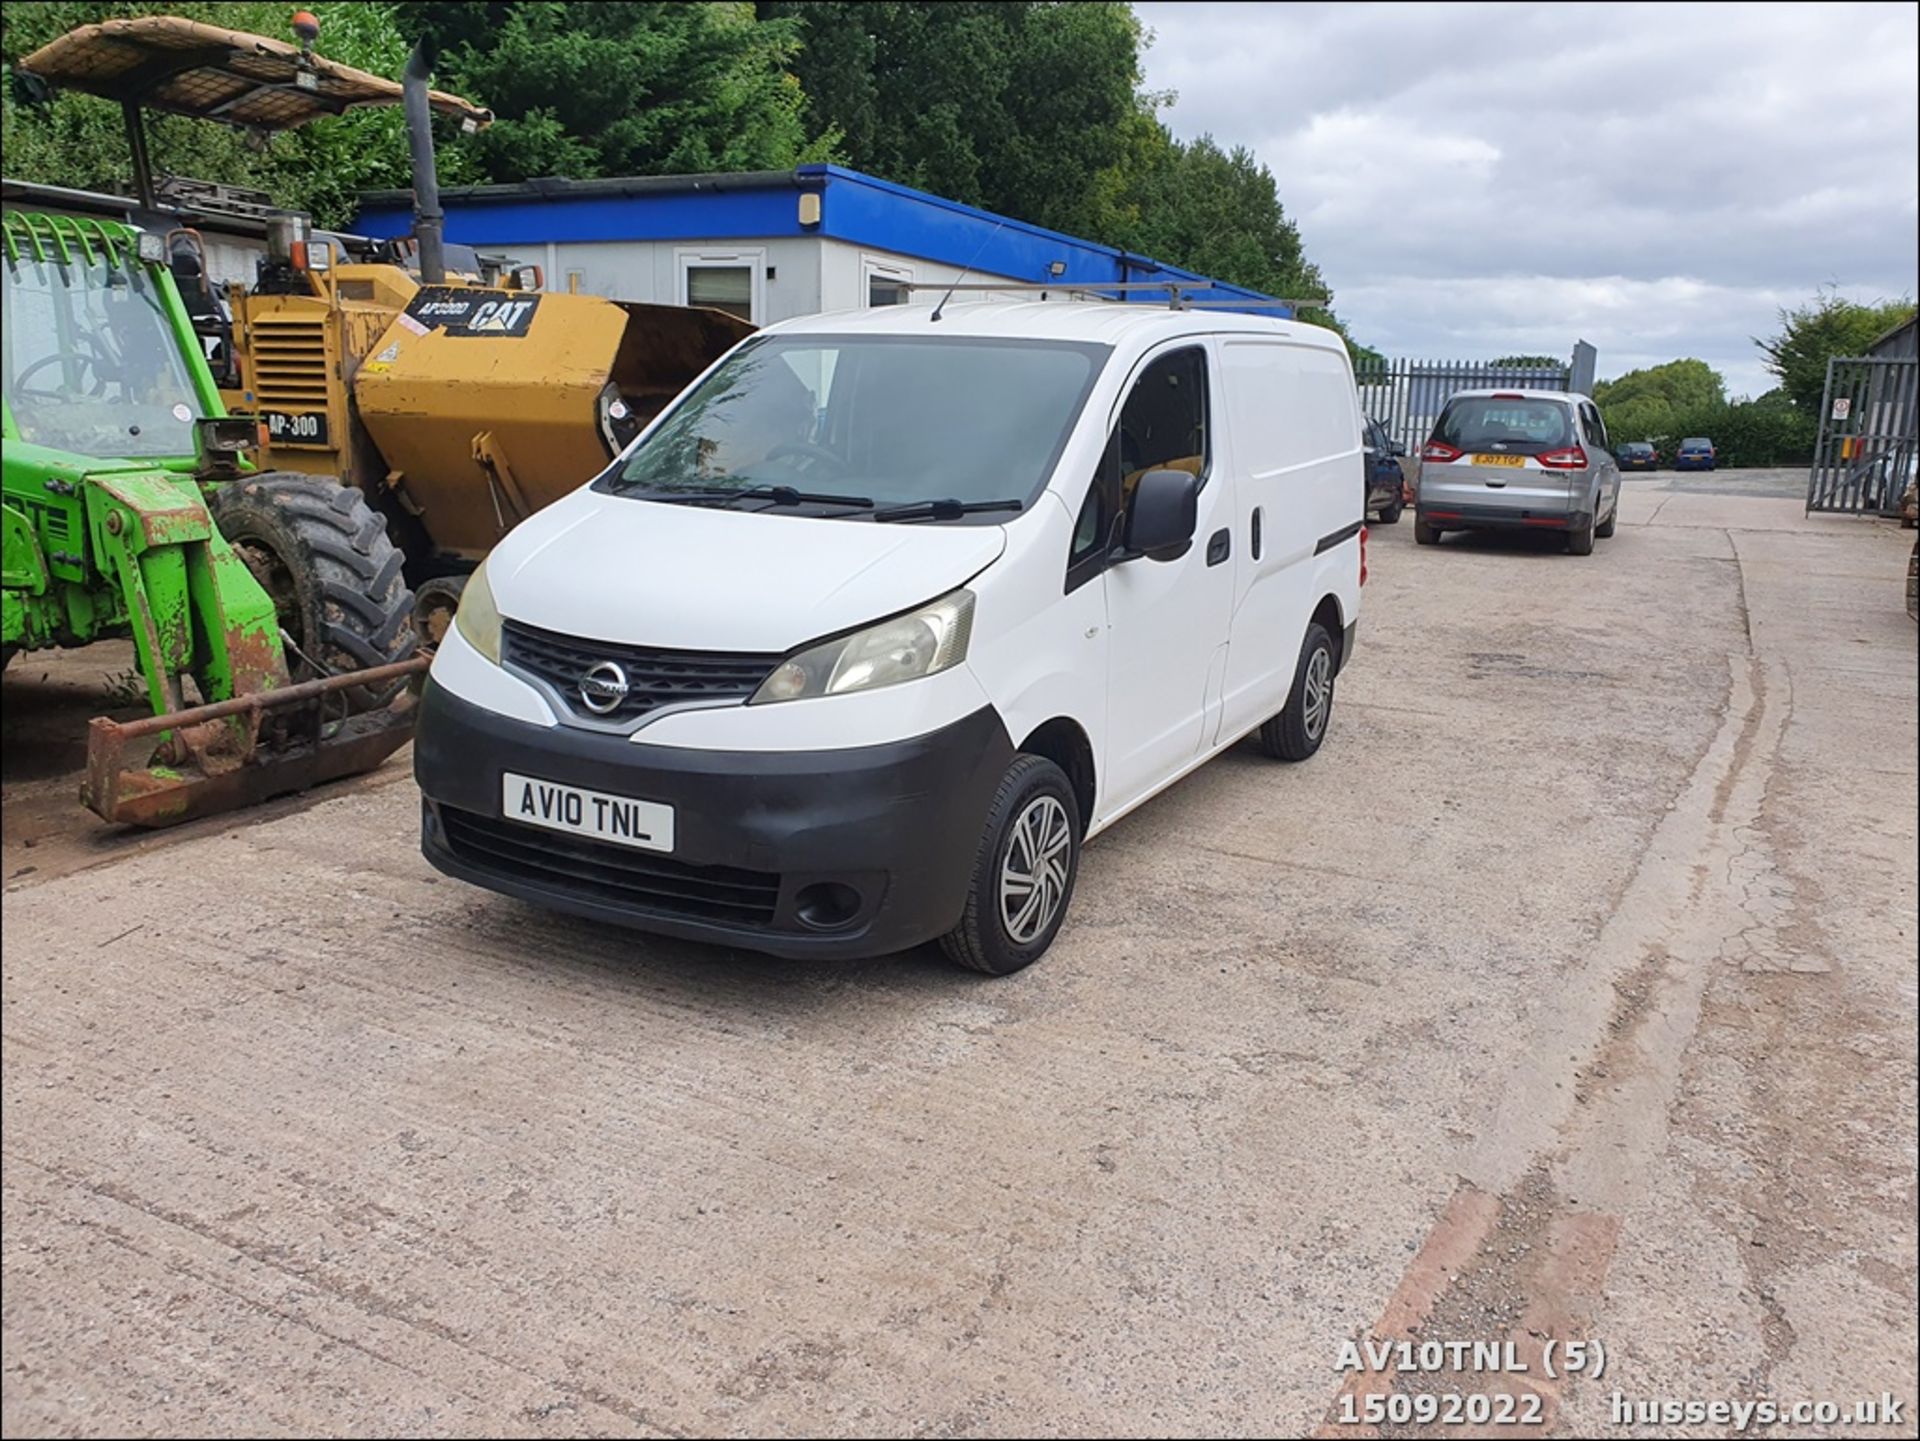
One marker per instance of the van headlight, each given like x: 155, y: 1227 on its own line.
x: 478, y: 619
x: 920, y: 643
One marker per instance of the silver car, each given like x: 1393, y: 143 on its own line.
x: 1521, y: 460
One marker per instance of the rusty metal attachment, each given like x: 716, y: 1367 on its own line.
x: 164, y: 769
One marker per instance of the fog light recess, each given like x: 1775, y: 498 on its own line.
x: 826, y: 905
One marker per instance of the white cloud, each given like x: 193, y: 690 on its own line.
x: 1656, y: 179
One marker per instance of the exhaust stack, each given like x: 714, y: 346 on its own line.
x: 429, y: 221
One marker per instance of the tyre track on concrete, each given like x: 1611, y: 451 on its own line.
x: 1522, y: 1249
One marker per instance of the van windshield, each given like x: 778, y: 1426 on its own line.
x: 1523, y: 427
x: 887, y: 420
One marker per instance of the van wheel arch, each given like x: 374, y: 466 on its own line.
x: 1327, y: 615
x: 1063, y: 741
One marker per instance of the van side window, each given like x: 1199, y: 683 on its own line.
x: 1163, y: 425
x: 1093, y: 528
x: 1089, y: 530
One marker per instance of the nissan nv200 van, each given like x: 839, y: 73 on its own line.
x: 888, y: 613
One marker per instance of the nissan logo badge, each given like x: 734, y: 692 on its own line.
x: 603, y: 687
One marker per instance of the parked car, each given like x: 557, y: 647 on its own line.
x: 860, y: 640
x: 1518, y: 459
x: 1638, y: 455
x: 1386, y: 482
x: 1695, y: 453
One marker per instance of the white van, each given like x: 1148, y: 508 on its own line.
x: 887, y: 614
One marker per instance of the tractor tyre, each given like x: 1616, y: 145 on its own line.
x: 324, y: 557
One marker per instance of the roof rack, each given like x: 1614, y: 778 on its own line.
x: 1175, y: 290
x: 1179, y: 293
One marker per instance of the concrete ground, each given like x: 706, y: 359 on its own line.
x: 1568, y: 995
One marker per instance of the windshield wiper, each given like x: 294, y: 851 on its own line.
x: 948, y: 509
x: 720, y: 496
x: 787, y: 495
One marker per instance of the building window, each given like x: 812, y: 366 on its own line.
x: 886, y: 284
x: 724, y: 280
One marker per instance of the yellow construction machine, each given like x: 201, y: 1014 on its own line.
x: 460, y: 406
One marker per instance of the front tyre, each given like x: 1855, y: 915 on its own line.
x: 334, y: 576
x: 1023, y: 875
x: 1390, y: 513
x: 1297, y: 731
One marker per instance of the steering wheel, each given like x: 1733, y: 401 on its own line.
x: 807, y: 450
x: 59, y: 357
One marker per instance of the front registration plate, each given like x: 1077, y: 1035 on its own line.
x: 621, y: 820
x: 1499, y: 460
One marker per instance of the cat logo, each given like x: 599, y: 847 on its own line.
x: 500, y: 317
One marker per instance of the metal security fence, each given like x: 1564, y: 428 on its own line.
x: 1407, y: 396
x: 1869, y: 422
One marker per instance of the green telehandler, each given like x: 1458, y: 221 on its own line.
x: 267, y: 610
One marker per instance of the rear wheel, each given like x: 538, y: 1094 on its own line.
x: 1423, y: 533
x: 1023, y: 875
x: 1297, y: 731
x: 334, y: 576
x: 1580, y: 539
x: 1390, y: 513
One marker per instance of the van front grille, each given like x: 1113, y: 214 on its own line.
x: 654, y: 677
x: 615, y: 875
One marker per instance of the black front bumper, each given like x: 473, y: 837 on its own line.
x: 756, y: 833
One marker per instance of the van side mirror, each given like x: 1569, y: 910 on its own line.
x: 1162, y: 518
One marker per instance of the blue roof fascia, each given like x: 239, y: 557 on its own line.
x: 857, y: 208
x: 863, y: 209
x: 705, y: 214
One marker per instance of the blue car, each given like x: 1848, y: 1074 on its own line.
x: 1695, y: 453
x: 1386, y: 485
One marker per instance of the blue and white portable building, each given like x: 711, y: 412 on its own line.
x: 768, y: 245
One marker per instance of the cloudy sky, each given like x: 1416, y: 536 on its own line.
x: 1475, y: 180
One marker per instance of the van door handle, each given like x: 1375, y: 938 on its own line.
x: 1218, y: 546
x: 1255, y: 536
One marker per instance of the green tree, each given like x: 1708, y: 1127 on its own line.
x: 80, y: 141
x: 1018, y: 107
x: 1643, y: 404
x: 1824, y: 327
x: 1218, y: 212
x: 584, y: 89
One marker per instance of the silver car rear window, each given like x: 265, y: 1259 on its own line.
x: 1524, y: 427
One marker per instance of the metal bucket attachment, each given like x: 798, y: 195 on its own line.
x: 164, y: 769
